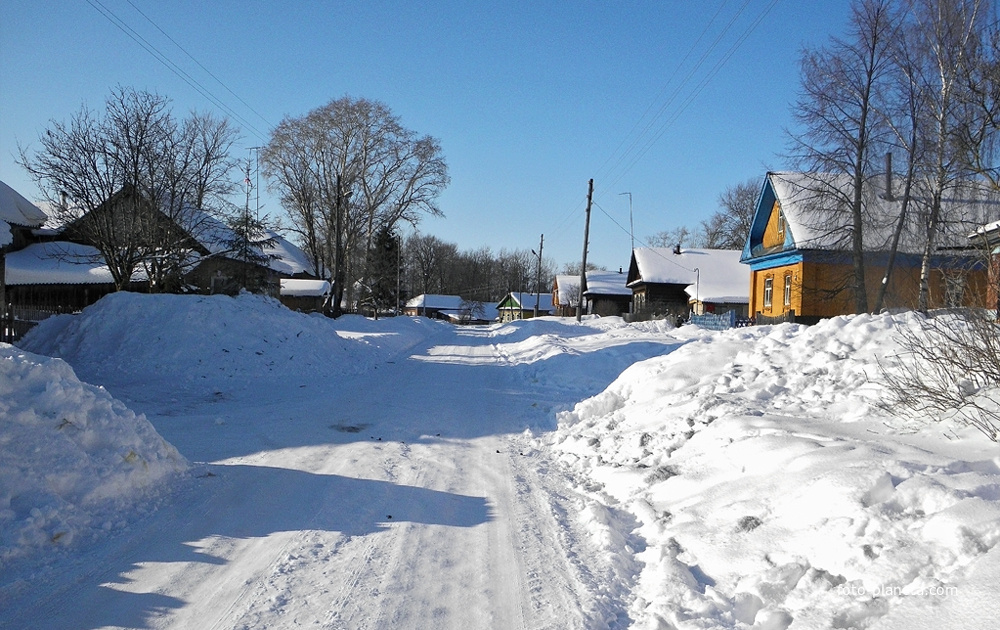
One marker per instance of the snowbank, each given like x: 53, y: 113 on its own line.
x: 74, y: 459
x: 773, y: 493
x: 202, y: 346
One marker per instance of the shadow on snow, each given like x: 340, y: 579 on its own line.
x: 252, y: 502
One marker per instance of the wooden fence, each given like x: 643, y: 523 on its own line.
x: 16, y: 321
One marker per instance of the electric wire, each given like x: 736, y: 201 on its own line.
x: 649, y: 134
x: 170, y: 65
x: 201, y: 65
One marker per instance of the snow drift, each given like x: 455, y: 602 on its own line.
x: 202, y: 345
x: 75, y: 460
x: 773, y: 493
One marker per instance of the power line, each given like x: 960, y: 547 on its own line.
x: 173, y: 67
x: 649, y: 133
x: 200, y: 65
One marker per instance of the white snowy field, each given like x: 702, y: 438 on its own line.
x: 226, y: 463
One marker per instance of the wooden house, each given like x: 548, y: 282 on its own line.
x: 60, y: 270
x: 673, y: 282
x: 521, y: 305
x: 606, y: 294
x: 800, y: 244
x: 60, y: 277
x: 305, y: 295
x: 430, y: 305
x: 565, y: 295
x: 986, y: 238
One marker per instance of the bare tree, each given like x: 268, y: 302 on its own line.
x: 978, y: 139
x: 347, y: 170
x: 676, y: 237
x: 124, y: 180
x: 840, y: 90
x: 729, y: 227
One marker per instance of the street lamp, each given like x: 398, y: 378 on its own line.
x: 697, y: 292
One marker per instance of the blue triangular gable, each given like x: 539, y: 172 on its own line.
x: 761, y: 215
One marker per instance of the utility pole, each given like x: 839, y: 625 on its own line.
x: 257, y: 176
x: 586, y: 241
x: 399, y: 267
x: 538, y: 274
x: 338, y: 279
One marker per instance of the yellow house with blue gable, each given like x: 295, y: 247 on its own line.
x: 800, y: 243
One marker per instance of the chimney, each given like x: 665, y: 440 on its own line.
x: 888, y: 177
x: 677, y: 249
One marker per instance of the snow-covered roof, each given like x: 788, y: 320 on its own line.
x: 304, y: 288
x: 721, y: 277
x: 606, y: 283
x: 709, y: 275
x: 489, y: 314
x: 59, y: 262
x: 287, y: 257
x: 527, y: 300
x: 818, y: 217
x: 211, y: 233
x: 431, y: 300
x: 15, y: 209
x: 568, y: 289
x: 660, y: 265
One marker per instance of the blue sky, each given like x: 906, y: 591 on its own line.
x: 671, y: 101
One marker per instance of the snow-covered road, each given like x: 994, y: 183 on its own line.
x: 251, y: 467
x: 408, y: 495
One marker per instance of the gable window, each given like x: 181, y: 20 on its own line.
x: 768, y: 291
x: 788, y: 290
x: 781, y: 221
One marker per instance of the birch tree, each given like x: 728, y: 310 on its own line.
x: 945, y: 34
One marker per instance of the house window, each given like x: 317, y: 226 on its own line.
x: 768, y: 292
x: 781, y: 221
x: 788, y: 290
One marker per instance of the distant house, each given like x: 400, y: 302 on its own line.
x: 799, y: 248
x: 471, y: 313
x: 430, y: 305
x: 306, y: 295
x: 722, y: 282
x: 519, y: 305
x: 672, y: 282
x: 607, y: 293
x: 565, y: 295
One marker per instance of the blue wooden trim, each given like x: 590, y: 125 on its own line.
x: 777, y: 259
x: 765, y: 201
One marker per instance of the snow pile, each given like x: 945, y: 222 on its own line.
x: 772, y: 493
x: 210, y: 345
x: 74, y: 459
